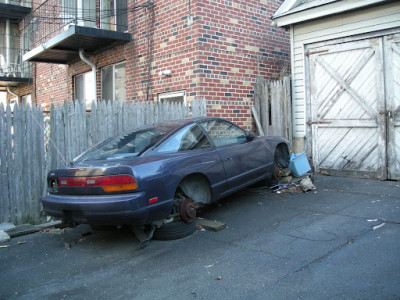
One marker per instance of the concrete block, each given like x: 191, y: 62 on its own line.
x: 211, y: 224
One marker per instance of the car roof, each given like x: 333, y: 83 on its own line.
x: 183, y: 122
x: 173, y: 124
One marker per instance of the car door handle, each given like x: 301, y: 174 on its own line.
x: 229, y: 158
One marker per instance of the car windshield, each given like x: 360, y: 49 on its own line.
x: 129, y: 144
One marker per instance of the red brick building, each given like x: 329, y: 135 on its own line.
x: 169, y: 50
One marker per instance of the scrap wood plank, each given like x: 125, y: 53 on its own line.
x: 22, y: 230
x: 257, y: 120
x: 211, y: 224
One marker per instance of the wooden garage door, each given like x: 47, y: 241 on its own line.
x: 348, y: 121
x: 392, y: 55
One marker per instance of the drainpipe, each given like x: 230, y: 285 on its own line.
x: 93, y: 66
x: 12, y: 93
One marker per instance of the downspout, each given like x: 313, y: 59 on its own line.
x: 93, y: 66
x: 12, y: 93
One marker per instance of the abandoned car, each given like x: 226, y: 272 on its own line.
x: 159, y: 174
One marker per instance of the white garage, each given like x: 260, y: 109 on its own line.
x: 346, y: 84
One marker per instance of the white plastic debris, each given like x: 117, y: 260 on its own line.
x: 378, y: 226
x: 306, y: 184
x: 4, y: 237
x: 6, y: 226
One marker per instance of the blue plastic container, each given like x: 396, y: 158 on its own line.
x: 299, y: 164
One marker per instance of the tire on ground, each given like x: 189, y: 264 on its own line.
x: 175, y: 230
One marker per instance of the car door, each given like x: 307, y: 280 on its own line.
x: 244, y: 161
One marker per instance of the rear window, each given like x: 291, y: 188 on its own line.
x: 127, y: 145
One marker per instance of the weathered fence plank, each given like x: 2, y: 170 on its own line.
x: 28, y: 151
x: 4, y: 199
x: 10, y: 166
x: 22, y: 183
x: 272, y: 105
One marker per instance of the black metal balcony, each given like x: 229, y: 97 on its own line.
x: 12, y: 70
x: 14, y: 10
x: 55, y: 33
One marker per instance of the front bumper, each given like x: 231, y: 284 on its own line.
x: 116, y: 210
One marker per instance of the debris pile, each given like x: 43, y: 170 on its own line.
x: 291, y: 184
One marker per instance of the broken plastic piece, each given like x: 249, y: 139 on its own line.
x: 299, y: 164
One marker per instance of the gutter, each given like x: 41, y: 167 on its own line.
x: 324, y: 9
x: 93, y: 66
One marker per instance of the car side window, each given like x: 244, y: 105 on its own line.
x: 189, y: 138
x: 223, y: 133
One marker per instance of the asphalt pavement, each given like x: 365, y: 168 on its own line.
x: 340, y: 241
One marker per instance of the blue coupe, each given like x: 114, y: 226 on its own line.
x: 159, y: 174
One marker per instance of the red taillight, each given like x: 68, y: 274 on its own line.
x: 107, y: 183
x: 153, y: 200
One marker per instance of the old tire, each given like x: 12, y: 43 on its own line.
x: 175, y: 230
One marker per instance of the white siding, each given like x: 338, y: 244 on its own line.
x: 367, y: 21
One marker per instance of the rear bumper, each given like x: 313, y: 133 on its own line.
x: 120, y: 209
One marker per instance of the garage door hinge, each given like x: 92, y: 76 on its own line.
x: 318, y: 122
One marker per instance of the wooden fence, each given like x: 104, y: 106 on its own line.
x: 272, y: 107
x: 32, y: 142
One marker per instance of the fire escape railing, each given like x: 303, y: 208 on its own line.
x: 11, y: 64
x: 55, y: 16
x: 25, y: 3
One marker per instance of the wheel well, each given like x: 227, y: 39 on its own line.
x: 281, y: 155
x: 197, y: 187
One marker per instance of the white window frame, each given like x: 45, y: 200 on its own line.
x: 88, y: 88
x: 26, y: 99
x: 167, y: 96
x: 3, y: 99
x: 113, y: 79
x: 13, y: 102
x: 113, y: 26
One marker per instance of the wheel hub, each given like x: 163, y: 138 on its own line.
x: 188, y: 210
x: 277, y: 172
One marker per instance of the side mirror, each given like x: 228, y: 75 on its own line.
x: 250, y: 136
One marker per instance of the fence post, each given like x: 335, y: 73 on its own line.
x: 4, y: 203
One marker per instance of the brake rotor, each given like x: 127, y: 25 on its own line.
x: 277, y: 172
x: 188, y: 210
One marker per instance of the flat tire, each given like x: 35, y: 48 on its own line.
x: 175, y: 230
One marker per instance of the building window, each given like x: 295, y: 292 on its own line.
x: 84, y: 90
x: 26, y: 3
x: 114, y: 15
x: 177, y: 97
x: 3, y: 99
x: 26, y: 100
x: 79, y: 12
x: 9, y: 50
x: 113, y: 82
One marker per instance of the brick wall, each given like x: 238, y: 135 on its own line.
x: 218, y: 56
x: 237, y: 44
x: 52, y: 84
